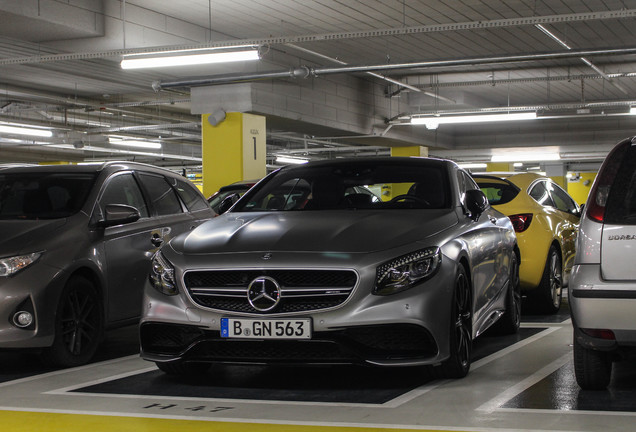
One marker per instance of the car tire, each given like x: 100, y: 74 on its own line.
x: 183, y: 368
x: 592, y: 368
x: 79, y: 325
x: 460, y: 336
x: 511, y: 319
x: 549, y: 293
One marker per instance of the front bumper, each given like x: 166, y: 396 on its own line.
x: 597, y: 304
x: 408, y: 328
x: 380, y: 345
x: 35, y: 289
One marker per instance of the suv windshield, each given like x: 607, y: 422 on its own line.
x: 43, y: 195
x: 355, y: 186
x: 621, y: 202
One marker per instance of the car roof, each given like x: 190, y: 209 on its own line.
x: 110, y: 166
x: 522, y: 180
x: 384, y: 160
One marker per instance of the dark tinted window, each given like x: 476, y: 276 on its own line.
x: 400, y: 186
x: 193, y: 200
x: 43, y: 195
x: 562, y: 200
x: 621, y: 202
x: 497, y: 191
x: 123, y: 189
x: 540, y: 193
x: 162, y: 196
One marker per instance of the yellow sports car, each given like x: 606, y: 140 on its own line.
x: 546, y: 222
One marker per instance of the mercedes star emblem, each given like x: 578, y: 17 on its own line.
x: 263, y: 293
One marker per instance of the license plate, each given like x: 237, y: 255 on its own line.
x: 248, y: 328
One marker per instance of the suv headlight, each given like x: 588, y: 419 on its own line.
x: 162, y: 275
x: 404, y: 272
x: 12, y: 265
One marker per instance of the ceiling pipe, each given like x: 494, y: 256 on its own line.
x: 305, y: 72
x: 340, y: 62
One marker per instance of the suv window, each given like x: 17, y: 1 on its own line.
x: 43, y: 195
x: 163, y: 198
x: 189, y: 195
x: 123, y: 189
x: 621, y: 202
x: 540, y: 193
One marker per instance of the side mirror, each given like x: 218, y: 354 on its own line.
x: 118, y: 214
x: 476, y: 203
x: 228, y: 202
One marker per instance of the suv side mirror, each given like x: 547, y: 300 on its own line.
x: 118, y: 214
x: 476, y: 203
x: 228, y: 202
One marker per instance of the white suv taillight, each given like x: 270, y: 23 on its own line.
x: 595, y: 207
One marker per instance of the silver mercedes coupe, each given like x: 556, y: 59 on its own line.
x: 377, y: 261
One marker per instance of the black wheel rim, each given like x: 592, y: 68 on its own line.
x: 463, y: 320
x: 516, y: 292
x: 555, y: 279
x: 80, y: 321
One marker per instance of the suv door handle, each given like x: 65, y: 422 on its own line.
x: 156, y: 240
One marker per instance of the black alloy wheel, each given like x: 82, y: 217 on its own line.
x: 79, y: 325
x: 460, y: 337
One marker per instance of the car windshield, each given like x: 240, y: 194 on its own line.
x: 43, y: 195
x: 355, y: 186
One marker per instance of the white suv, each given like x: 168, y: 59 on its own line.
x: 602, y: 291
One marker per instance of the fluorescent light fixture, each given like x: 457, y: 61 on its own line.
x: 517, y: 164
x: 473, y: 165
x: 18, y: 130
x: 434, y: 122
x: 187, y: 58
x: 516, y: 157
x: 288, y: 160
x: 140, y: 144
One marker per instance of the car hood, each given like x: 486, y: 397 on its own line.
x: 333, y: 231
x: 25, y: 236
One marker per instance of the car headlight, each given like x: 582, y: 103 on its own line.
x: 12, y: 265
x: 404, y: 272
x: 162, y: 275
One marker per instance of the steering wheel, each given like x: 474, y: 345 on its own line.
x: 407, y: 197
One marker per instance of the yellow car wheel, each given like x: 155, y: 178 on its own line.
x: 548, y: 295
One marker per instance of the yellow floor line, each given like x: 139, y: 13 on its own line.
x: 27, y: 421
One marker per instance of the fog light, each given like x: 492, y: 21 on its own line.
x: 22, y: 319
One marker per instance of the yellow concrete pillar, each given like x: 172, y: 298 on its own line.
x: 392, y: 190
x: 233, y: 150
x: 420, y: 151
x: 500, y: 167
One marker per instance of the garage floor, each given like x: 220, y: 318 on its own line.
x: 519, y: 383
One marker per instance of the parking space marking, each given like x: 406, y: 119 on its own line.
x: 409, y: 396
x: 503, y: 352
x: 81, y: 421
x: 495, y: 403
x: 65, y: 371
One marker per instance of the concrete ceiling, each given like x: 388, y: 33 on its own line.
x: 370, y: 66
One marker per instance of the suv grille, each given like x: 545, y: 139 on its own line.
x: 300, y: 290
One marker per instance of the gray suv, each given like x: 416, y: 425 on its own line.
x: 603, y: 283
x: 77, y: 241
